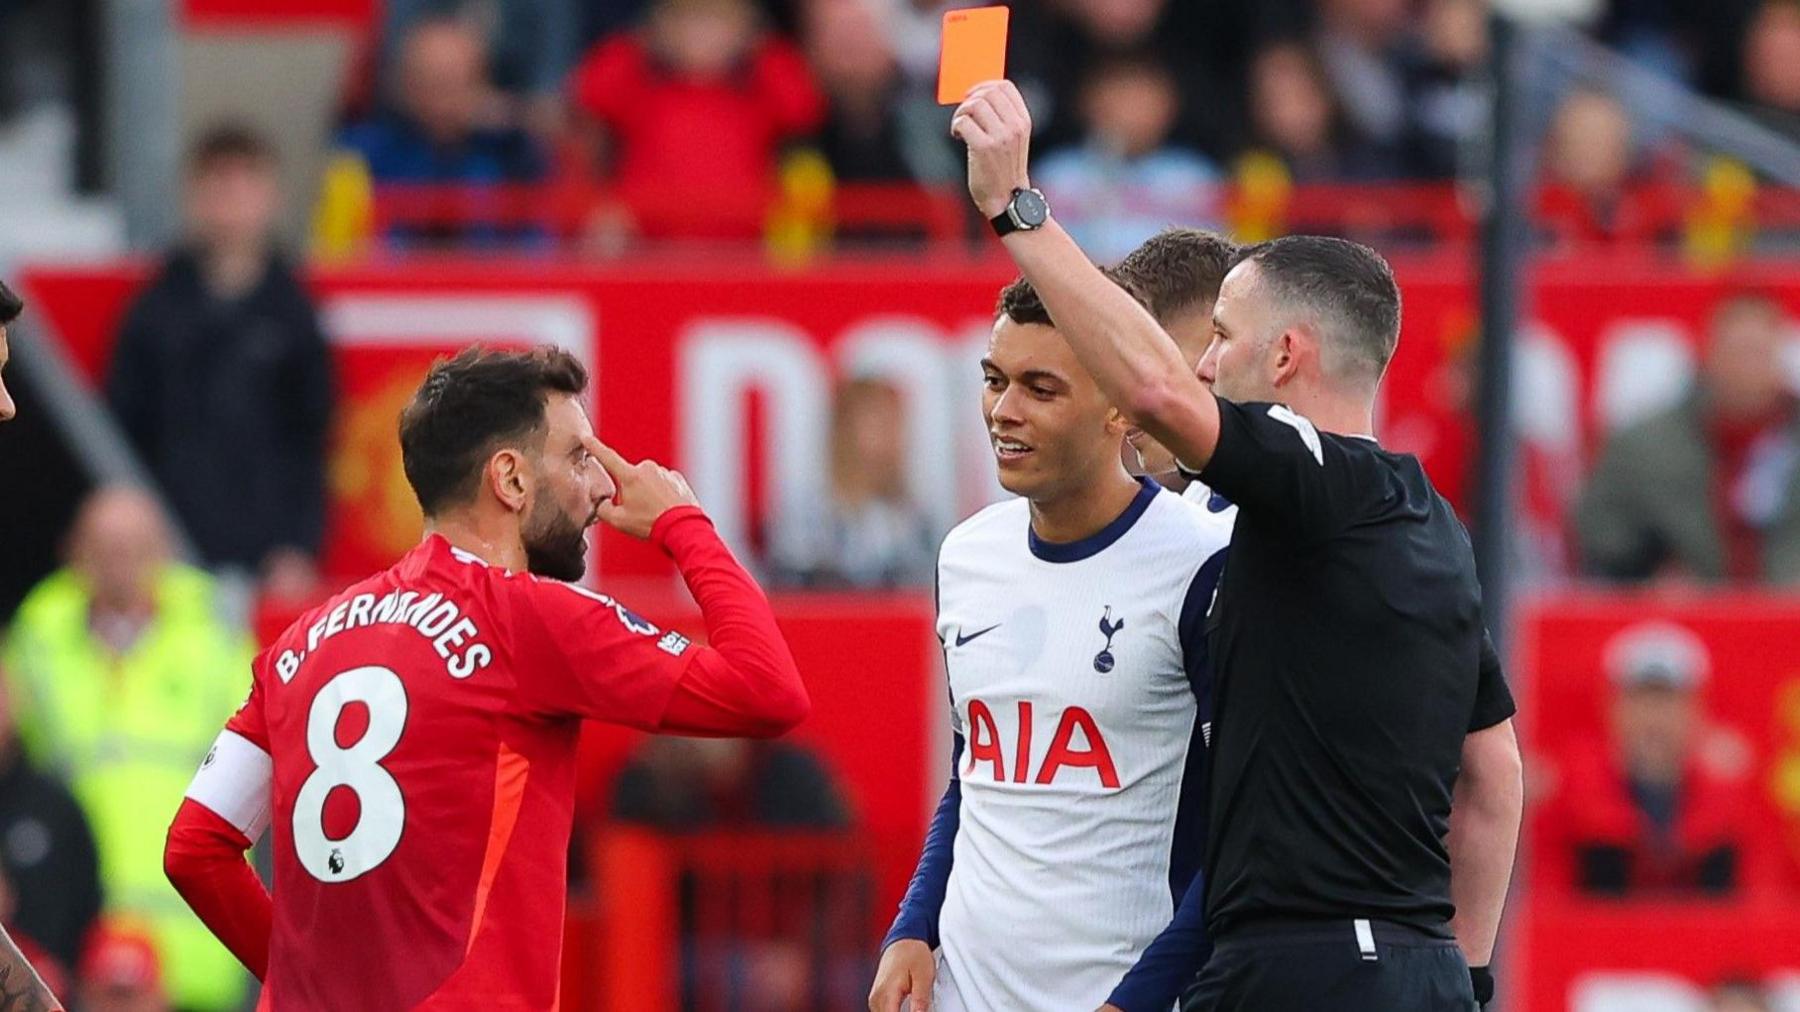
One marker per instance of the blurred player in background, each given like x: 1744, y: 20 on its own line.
x: 10, y: 308
x: 1071, y: 625
x: 413, y: 739
x: 1176, y: 275
x: 20, y: 987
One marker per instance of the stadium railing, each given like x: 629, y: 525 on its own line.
x: 562, y: 216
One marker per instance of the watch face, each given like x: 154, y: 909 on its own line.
x: 1031, y: 209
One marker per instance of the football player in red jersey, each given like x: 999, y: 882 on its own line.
x: 412, y: 741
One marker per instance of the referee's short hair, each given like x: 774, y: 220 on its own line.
x: 10, y: 305
x: 1343, y: 287
x: 1177, y: 270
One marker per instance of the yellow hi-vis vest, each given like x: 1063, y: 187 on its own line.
x: 126, y: 733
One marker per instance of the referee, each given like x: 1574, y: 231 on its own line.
x: 1366, y: 786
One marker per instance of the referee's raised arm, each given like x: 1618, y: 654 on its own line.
x: 1135, y: 361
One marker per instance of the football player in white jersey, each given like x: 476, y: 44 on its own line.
x: 1072, y: 625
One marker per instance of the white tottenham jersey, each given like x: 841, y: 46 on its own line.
x: 1079, y: 697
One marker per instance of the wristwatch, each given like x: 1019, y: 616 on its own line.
x: 1026, y: 212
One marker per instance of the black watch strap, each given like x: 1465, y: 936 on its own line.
x: 1003, y: 223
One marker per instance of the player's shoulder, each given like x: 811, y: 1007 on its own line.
x: 1005, y: 519
x: 1189, y: 518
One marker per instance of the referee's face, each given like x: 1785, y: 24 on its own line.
x: 1235, y: 363
x: 1051, y: 428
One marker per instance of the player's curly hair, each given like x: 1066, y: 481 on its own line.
x: 1019, y: 303
x: 10, y: 305
x: 472, y: 405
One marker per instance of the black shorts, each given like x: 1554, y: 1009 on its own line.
x: 1332, y: 966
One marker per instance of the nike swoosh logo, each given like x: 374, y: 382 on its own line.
x: 961, y: 639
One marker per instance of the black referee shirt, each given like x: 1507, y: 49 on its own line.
x: 1350, y: 660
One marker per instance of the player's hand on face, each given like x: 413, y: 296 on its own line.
x: 907, y: 970
x: 996, y: 126
x: 646, y: 490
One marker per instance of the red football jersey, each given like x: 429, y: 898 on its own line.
x: 422, y: 727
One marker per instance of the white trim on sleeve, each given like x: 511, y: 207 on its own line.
x: 234, y: 781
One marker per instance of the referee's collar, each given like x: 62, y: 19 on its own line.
x: 1097, y: 542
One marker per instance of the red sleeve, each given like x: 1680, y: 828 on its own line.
x: 204, y: 859
x: 611, y: 81
x: 583, y: 654
x: 748, y: 672
x: 785, y: 83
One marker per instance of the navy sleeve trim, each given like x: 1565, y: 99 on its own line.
x: 924, y: 898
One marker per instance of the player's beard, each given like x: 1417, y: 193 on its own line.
x: 554, y: 545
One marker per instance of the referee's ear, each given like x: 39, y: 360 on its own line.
x: 1116, y: 421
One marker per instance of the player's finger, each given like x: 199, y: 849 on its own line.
x: 986, y: 116
x: 1007, y: 93
x: 967, y: 130
x: 608, y: 457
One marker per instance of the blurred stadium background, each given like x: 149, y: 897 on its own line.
x: 243, y: 228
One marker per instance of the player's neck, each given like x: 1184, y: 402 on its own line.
x: 492, y: 542
x: 1083, y: 512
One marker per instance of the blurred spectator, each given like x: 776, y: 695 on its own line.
x: 692, y: 110
x: 1362, y: 45
x: 446, y: 127
x: 531, y: 44
x: 863, y: 138
x: 1126, y: 180
x: 1295, y: 116
x: 1667, y: 806
x: 1447, y: 102
x: 1086, y: 34
x: 1771, y: 66
x: 122, y: 673
x: 867, y: 532
x: 120, y: 972
x: 1706, y: 490
x: 49, y: 880
x: 688, y: 785
x: 1590, y: 166
x: 222, y: 379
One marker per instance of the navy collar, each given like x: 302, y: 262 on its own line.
x: 1095, y: 543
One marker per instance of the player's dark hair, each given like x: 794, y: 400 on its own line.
x: 1344, y: 288
x: 227, y: 142
x: 1019, y: 303
x: 470, y: 406
x: 10, y: 305
x: 1176, y: 270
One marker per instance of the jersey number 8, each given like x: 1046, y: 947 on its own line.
x: 358, y: 767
